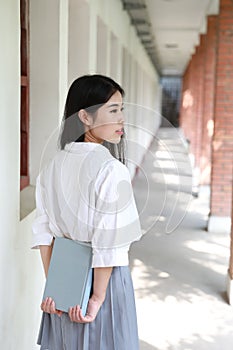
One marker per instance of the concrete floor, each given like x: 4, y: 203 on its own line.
x: 178, y: 268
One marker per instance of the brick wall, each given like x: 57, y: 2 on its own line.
x: 197, y: 119
x: 222, y: 148
x: 207, y: 108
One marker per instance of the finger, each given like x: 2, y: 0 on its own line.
x: 52, y: 307
x: 81, y: 316
x: 72, y: 314
x: 59, y: 312
x: 77, y: 313
x: 44, y: 305
x: 48, y: 305
x: 44, y: 301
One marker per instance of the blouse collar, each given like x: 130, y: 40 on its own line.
x: 80, y: 147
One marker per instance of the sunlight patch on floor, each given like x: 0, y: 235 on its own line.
x: 170, y: 321
x: 203, y: 246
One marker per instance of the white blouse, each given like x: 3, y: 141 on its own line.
x: 85, y: 194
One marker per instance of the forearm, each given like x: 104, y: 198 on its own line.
x: 101, y: 280
x: 46, y: 252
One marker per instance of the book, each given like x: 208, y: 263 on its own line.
x: 69, y: 279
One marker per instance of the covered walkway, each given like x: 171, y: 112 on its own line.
x: 179, y: 276
x: 170, y: 56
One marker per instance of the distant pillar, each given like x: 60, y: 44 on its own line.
x: 222, y: 145
x: 192, y: 108
x: 198, y: 100
x: 185, y: 106
x: 187, y: 112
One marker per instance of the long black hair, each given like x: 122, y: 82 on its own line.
x: 89, y: 92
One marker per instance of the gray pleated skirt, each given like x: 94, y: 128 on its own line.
x: 115, y: 327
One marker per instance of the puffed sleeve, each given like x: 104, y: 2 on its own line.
x: 41, y: 233
x: 116, y: 221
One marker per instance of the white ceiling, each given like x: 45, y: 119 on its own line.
x: 176, y: 25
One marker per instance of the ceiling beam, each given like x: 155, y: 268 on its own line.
x: 141, y: 21
x: 133, y: 6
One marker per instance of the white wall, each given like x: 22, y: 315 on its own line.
x: 18, y: 307
x: 65, y: 42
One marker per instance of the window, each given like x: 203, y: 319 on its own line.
x: 24, y: 113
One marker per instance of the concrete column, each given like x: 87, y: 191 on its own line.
x: 185, y: 102
x: 119, y: 77
x: 126, y: 74
x: 10, y: 164
x: 140, y: 115
x: 79, y: 39
x: 208, y: 99
x: 102, y: 44
x: 188, y: 105
x: 133, y: 80
x: 92, y: 40
x: 199, y: 92
x: 63, y: 55
x: 222, y: 146
x: 113, y: 56
x: 48, y: 78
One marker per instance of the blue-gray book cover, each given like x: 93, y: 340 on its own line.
x: 69, y: 279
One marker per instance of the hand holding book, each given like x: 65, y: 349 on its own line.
x: 48, y: 305
x: 101, y: 279
x: 76, y: 315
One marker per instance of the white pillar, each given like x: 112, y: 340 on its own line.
x: 114, y: 59
x: 108, y: 53
x: 133, y: 80
x: 119, y: 77
x: 79, y: 39
x: 93, y: 41
x: 63, y: 54
x: 48, y: 78
x: 10, y: 160
x: 126, y: 74
x: 102, y: 44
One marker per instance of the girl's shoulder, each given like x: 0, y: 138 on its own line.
x: 114, y: 170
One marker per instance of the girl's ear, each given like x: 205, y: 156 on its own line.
x: 85, y: 118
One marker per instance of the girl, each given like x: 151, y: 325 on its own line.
x: 85, y: 194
